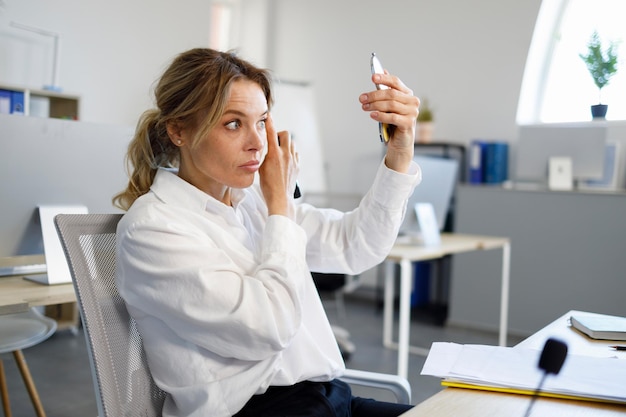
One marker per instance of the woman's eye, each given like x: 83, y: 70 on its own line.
x: 233, y: 125
x: 262, y: 124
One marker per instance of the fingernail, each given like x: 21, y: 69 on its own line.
x: 363, y: 98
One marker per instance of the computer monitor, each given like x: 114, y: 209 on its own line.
x: 438, y: 182
x: 584, y: 143
x: 55, y: 162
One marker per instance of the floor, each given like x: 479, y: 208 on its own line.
x: 61, y: 371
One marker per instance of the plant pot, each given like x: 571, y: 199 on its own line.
x: 598, y: 111
x: 424, y: 132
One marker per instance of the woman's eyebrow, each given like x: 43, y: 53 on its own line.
x: 235, y: 112
x: 242, y: 114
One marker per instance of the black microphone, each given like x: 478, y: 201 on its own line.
x: 551, y: 360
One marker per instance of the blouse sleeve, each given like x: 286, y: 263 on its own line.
x: 360, y: 239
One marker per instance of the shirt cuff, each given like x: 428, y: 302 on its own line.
x: 392, y: 188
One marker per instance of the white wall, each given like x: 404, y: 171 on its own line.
x: 111, y: 51
x: 466, y: 57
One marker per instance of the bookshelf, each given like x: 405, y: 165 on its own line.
x: 44, y: 103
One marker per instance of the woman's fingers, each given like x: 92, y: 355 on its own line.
x: 391, y: 81
x: 388, y: 106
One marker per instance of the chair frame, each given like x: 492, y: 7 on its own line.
x: 120, y: 390
x: 22, y: 365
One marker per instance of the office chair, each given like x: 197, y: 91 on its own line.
x: 19, y: 331
x: 122, y: 379
x: 335, y: 286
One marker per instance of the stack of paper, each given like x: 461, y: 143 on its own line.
x: 515, y: 370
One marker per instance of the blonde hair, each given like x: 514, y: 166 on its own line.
x: 192, y: 93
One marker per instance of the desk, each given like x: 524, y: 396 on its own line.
x: 460, y: 402
x: 473, y: 403
x: 404, y: 254
x: 18, y: 294
x: 578, y: 343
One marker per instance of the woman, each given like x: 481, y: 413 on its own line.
x: 214, y: 268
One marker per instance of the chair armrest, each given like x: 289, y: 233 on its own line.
x: 399, y: 386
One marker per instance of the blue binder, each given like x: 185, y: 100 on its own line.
x: 476, y: 157
x: 5, y: 102
x: 17, y: 102
x: 496, y: 163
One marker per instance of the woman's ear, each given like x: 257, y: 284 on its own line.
x: 175, y: 133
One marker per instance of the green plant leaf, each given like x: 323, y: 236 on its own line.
x: 602, y: 64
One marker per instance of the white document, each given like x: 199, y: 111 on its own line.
x: 517, y: 368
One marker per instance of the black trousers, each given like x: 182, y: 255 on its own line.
x: 317, y: 399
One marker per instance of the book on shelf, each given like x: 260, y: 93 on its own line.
x: 601, y: 327
x: 488, y: 162
x: 17, y: 102
x: 5, y: 102
x: 496, y: 166
x: 475, y: 162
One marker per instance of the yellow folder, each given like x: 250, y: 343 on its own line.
x: 459, y: 384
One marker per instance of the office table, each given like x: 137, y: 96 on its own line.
x: 460, y: 402
x: 474, y: 403
x: 405, y: 254
x: 18, y: 295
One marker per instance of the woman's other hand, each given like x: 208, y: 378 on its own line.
x: 395, y: 106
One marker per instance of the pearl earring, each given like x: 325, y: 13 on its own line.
x: 179, y: 142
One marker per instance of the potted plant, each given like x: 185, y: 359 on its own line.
x: 425, y: 123
x: 602, y: 65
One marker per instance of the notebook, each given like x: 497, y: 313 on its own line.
x: 601, y: 327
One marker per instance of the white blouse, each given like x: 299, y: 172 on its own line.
x: 223, y: 296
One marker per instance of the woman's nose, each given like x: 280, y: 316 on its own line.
x: 257, y: 139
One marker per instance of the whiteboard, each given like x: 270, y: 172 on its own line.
x: 294, y: 110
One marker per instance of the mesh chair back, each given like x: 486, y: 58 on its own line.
x: 122, y: 379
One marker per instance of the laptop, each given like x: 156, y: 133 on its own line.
x: 439, y: 176
x: 58, y: 271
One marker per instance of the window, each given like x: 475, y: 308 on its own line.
x: 557, y: 86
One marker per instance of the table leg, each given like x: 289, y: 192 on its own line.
x: 504, y: 295
x: 404, y: 327
x: 388, y: 304
x: 405, y: 317
x: 406, y: 275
